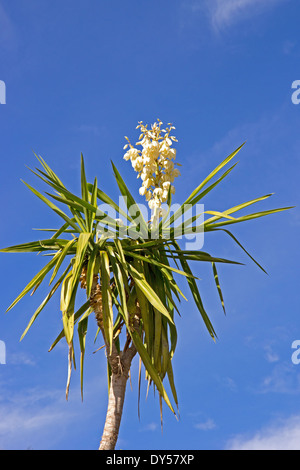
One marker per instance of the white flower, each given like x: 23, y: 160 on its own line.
x: 132, y: 154
x: 142, y: 190
x: 164, y: 150
x: 137, y: 164
x: 166, y: 185
x: 168, y: 165
x: 164, y: 196
x: 154, y: 163
x: 170, y: 177
x: 154, y: 204
x: 151, y: 204
x: 176, y: 173
x: 158, y: 192
x: 172, y: 153
x: 148, y: 182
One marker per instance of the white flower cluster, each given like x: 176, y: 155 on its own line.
x: 154, y: 163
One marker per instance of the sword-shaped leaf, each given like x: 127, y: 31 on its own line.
x: 130, y: 202
x: 82, y: 330
x: 38, y: 278
x: 106, y: 298
x: 147, y: 290
x: 44, y: 303
x: 217, y: 282
x: 195, y: 293
x: 193, y: 198
x: 53, y: 207
x: 37, y: 246
x: 83, y: 310
x: 243, y: 248
x: 61, y: 258
x: 150, y: 368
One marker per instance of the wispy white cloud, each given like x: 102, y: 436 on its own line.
x: 28, y: 419
x: 207, y: 425
x: 21, y: 359
x: 270, y: 355
x: 41, y: 418
x: 227, y: 12
x: 224, y: 13
x: 283, y: 378
x: 283, y: 435
x: 149, y: 427
x: 7, y: 30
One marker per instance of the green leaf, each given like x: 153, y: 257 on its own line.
x: 70, y: 285
x: 150, y: 368
x: 53, y: 207
x: 195, y: 196
x: 154, y: 262
x: 83, y: 310
x: 200, y: 256
x: 106, y: 298
x: 195, y: 293
x: 82, y: 330
x: 37, y: 279
x: 107, y: 200
x: 145, y: 307
x: 82, y: 245
x: 67, y: 308
x: 212, y: 174
x: 119, y: 280
x: 130, y: 202
x: 217, y: 282
x: 93, y: 203
x: 84, y: 193
x: 44, y: 303
x: 61, y: 258
x: 50, y: 172
x: 149, y: 292
x: 37, y: 246
x: 243, y: 248
x: 92, y: 269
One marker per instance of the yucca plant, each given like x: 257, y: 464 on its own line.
x: 126, y: 263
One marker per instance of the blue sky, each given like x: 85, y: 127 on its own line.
x: 79, y: 75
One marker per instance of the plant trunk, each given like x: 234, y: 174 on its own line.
x: 114, y: 411
x: 120, y: 363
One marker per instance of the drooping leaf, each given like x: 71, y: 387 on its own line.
x: 45, y: 301
x: 106, y: 298
x: 149, y: 292
x: 150, y: 368
x: 82, y: 331
x: 38, y: 278
x: 217, y: 282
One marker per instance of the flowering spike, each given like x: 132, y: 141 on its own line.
x: 154, y: 163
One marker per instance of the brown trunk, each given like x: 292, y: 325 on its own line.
x: 114, y: 412
x: 120, y: 363
x: 116, y: 397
